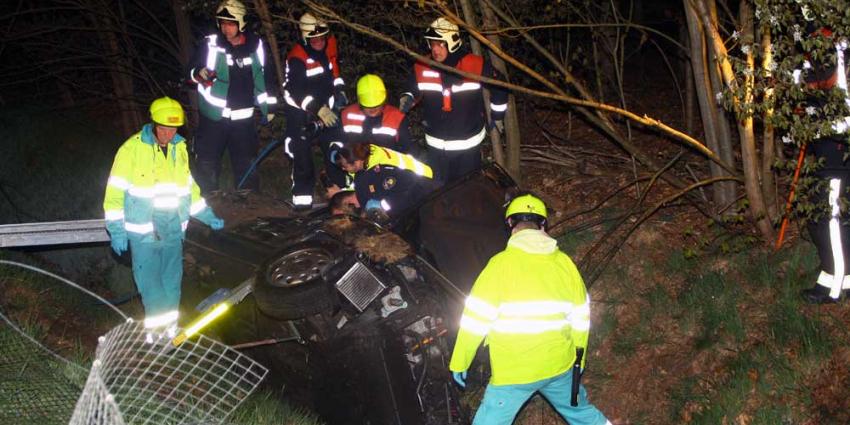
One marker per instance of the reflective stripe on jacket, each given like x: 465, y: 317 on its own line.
x: 213, y: 98
x: 531, y: 305
x: 150, y: 195
x: 383, y: 156
x: 312, y: 78
x: 388, y: 129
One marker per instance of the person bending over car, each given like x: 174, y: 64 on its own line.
x: 386, y: 182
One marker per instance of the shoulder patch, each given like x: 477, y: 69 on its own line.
x: 389, y: 182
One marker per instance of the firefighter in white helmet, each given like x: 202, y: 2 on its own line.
x: 531, y: 305
x: 313, y: 94
x: 453, y: 106
x: 230, y: 69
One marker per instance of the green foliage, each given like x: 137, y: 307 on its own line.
x: 266, y: 408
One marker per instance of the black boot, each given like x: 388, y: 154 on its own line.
x: 819, y: 294
x: 206, y: 175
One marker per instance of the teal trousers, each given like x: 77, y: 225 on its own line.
x: 158, y: 271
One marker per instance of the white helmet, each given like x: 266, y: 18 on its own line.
x: 444, y: 30
x: 231, y: 10
x: 311, y: 26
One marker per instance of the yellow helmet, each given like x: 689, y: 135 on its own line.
x: 168, y: 112
x: 444, y: 30
x: 231, y: 10
x: 371, y: 91
x: 527, y: 207
x: 311, y: 26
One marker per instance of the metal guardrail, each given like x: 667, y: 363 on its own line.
x: 53, y: 233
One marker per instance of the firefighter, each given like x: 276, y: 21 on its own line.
x: 830, y: 232
x: 312, y: 92
x: 531, y: 305
x: 372, y: 120
x: 149, y: 199
x: 454, y: 114
x: 386, y: 182
x: 229, y: 69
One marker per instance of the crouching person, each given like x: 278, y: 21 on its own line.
x: 149, y: 198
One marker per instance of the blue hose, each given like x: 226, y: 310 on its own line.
x: 257, y: 161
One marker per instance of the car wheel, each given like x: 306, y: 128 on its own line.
x: 291, y: 285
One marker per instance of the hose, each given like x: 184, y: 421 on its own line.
x: 257, y: 161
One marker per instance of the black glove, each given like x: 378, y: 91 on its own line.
x: 340, y: 100
x: 405, y: 103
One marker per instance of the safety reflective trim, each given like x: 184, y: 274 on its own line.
x: 430, y: 87
x: 142, y: 192
x: 499, y: 107
x: 310, y: 60
x: 840, y: 71
x: 518, y: 326
x: 184, y: 190
x: 142, y: 229
x: 455, y: 145
x: 580, y: 325
x: 197, y: 206
x: 315, y: 71
x: 286, y: 148
x: 431, y: 74
x: 238, y: 114
x: 335, y: 145
x: 385, y: 205
x: 797, y: 75
x: 389, y: 131
x: 166, y: 203
x: 119, y: 182
x: 212, y: 51
x: 474, y: 325
x: 481, y: 307
x: 355, y: 117
x: 262, y: 97
x: 261, y: 53
x: 289, y: 100
x: 468, y: 86
x: 206, y: 92
x: 825, y: 279
x: 271, y: 100
x: 352, y: 129
x: 112, y: 215
x: 835, y: 239
x: 306, y: 102
x: 535, y: 308
x: 337, y: 81
x: 302, y: 199
x: 162, y: 320
x: 192, y: 75
x: 247, y: 61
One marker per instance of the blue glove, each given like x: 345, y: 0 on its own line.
x: 119, y: 244
x: 460, y: 378
x: 373, y: 204
x: 216, y: 223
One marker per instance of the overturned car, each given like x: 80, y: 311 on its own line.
x: 356, y: 319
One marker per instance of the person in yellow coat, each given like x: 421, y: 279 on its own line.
x: 531, y: 305
x: 149, y: 198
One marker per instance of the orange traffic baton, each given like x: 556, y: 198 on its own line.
x: 791, y: 197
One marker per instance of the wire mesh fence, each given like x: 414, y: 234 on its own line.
x: 133, y: 381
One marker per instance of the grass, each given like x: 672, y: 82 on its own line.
x: 265, y: 408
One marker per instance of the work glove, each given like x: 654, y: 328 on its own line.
x: 216, y: 223
x: 405, y: 103
x: 269, y: 118
x: 205, y: 75
x: 460, y: 378
x: 119, y: 244
x: 340, y: 100
x: 500, y: 126
x: 329, y: 119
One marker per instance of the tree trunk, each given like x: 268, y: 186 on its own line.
x: 768, y: 140
x: 262, y: 7
x: 708, y: 110
x: 184, y: 37
x: 512, y: 130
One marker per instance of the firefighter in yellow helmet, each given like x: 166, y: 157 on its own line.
x: 372, y: 120
x: 531, y: 305
x: 149, y: 199
x: 231, y: 69
x: 453, y: 106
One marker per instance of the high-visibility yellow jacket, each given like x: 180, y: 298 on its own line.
x: 531, y: 305
x: 149, y: 195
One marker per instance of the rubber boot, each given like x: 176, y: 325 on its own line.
x: 819, y: 294
x: 207, y: 175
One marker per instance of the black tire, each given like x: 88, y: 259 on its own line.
x: 291, y: 285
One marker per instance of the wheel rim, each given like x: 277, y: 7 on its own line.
x: 298, y: 267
